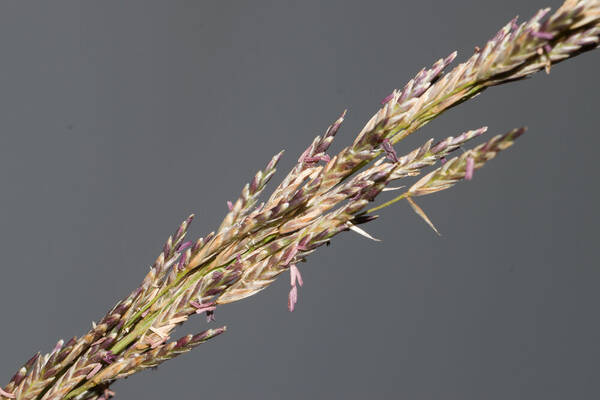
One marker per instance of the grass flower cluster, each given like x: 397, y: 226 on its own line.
x: 322, y: 196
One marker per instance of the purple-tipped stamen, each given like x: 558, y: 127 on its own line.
x: 109, y: 357
x: 387, y: 98
x: 203, y: 307
x: 317, y: 158
x: 183, y: 246
x: 469, y: 168
x: 305, y: 154
x: 295, y: 275
x: 94, y: 371
x: 230, y: 205
x: 542, y: 35
x: 182, y: 261
x: 290, y: 256
x: 183, y: 341
x: 302, y: 244
x: 389, y: 150
x: 292, y: 298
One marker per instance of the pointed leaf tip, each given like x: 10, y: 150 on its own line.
x: 422, y: 214
x: 361, y: 232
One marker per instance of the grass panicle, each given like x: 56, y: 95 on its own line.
x: 322, y: 195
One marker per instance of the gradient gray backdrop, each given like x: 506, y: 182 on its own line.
x: 118, y: 118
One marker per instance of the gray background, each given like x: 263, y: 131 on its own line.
x: 117, y: 119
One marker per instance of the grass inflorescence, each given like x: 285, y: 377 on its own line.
x: 321, y: 196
